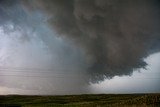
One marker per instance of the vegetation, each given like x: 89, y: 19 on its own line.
x: 101, y: 100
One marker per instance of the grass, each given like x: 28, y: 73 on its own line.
x: 88, y: 100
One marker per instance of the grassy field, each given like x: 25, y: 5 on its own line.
x: 100, y: 100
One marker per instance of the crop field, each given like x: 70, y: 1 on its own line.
x: 88, y: 100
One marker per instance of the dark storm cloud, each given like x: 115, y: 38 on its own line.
x: 115, y: 34
x: 5, y: 10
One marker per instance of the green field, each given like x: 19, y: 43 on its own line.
x: 88, y: 100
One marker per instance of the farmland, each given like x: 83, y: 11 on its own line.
x: 86, y: 100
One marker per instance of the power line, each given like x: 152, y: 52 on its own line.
x: 51, y: 76
x: 54, y: 76
x: 39, y: 70
x: 57, y: 73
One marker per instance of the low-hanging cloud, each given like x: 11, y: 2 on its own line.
x: 116, y: 35
x: 96, y: 38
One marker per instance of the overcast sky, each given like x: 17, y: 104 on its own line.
x: 79, y: 46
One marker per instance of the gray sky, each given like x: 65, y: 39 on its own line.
x: 141, y: 81
x: 79, y: 46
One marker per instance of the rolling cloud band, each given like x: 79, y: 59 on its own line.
x: 116, y: 35
x: 97, y: 39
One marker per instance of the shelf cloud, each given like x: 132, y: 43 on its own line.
x: 115, y: 35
